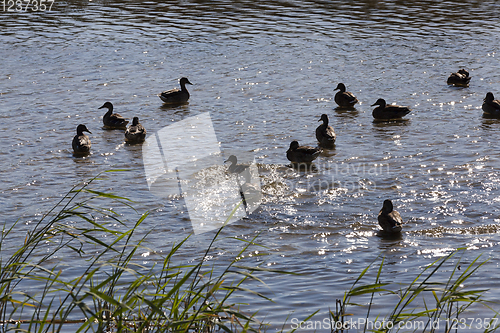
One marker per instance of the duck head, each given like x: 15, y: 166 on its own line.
x: 107, y: 105
x: 489, y: 97
x: 231, y: 159
x: 340, y: 87
x: 294, y: 145
x: 183, y: 81
x: 135, y: 121
x: 324, y: 118
x: 387, y: 206
x: 82, y: 128
x: 381, y: 102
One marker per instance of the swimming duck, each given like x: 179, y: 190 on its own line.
x: 325, y: 134
x: 81, y: 142
x: 491, y: 106
x: 235, y: 167
x: 135, y: 133
x: 301, y: 154
x: 113, y: 120
x: 241, y: 170
x: 460, y: 78
x: 384, y: 111
x: 389, y: 219
x: 176, y: 96
x: 344, y: 98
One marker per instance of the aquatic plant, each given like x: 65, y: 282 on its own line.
x: 115, y: 292
x: 426, y: 304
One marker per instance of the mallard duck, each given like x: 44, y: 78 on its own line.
x: 325, y: 134
x: 113, y: 120
x: 135, y: 133
x: 389, y: 219
x: 491, y: 106
x: 344, y: 98
x: 460, y: 78
x: 81, y: 142
x: 176, y: 96
x: 301, y: 154
x: 384, y: 111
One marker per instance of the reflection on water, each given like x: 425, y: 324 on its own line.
x: 266, y: 71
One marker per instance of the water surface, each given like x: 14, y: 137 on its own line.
x: 266, y: 71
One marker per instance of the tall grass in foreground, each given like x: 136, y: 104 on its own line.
x: 115, y: 293
x: 429, y: 303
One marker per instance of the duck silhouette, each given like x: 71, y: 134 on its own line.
x: 491, y: 106
x: 460, y: 78
x: 176, y: 96
x: 325, y: 134
x: 302, y: 154
x: 113, y: 120
x: 344, y: 98
x: 135, y: 133
x: 81, y: 142
x: 386, y: 112
x: 389, y: 219
x: 234, y: 167
x: 245, y: 188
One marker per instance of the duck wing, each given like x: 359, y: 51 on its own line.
x: 458, y: 78
x: 496, y: 104
x: 345, y: 98
x: 81, y: 144
x: 492, y: 107
x: 325, y: 135
x: 304, y: 154
x: 167, y: 93
x: 391, y: 112
x: 390, y: 222
x: 135, y: 133
x: 174, y: 96
x: 116, y: 121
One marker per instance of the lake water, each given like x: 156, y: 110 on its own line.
x: 265, y: 72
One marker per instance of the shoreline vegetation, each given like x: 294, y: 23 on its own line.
x: 116, y: 293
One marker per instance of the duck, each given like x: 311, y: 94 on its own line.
x: 302, y: 154
x: 113, y: 120
x: 344, y: 98
x: 244, y: 170
x: 176, y: 96
x: 389, y: 219
x: 81, y: 142
x: 235, y: 167
x: 384, y: 111
x: 135, y: 133
x: 325, y: 134
x: 491, y: 106
x: 460, y: 78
